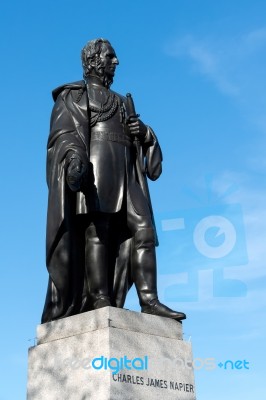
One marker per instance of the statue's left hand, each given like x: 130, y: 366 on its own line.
x: 137, y: 128
x: 75, y: 174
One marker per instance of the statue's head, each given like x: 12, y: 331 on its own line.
x: 99, y: 58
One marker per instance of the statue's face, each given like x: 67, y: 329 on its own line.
x: 109, y: 60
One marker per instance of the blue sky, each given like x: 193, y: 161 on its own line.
x: 197, y: 71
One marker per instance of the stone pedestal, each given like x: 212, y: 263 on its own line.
x: 75, y: 358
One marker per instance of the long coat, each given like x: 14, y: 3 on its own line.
x: 68, y: 212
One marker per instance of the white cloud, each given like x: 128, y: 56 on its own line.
x: 206, y: 59
x: 252, y: 200
x: 256, y: 39
x: 235, y: 65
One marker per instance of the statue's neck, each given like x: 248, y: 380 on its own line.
x: 97, y: 81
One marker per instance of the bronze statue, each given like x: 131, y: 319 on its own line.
x: 101, y: 235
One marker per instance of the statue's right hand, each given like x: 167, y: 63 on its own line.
x: 75, y: 173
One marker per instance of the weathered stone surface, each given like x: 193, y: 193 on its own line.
x: 60, y: 366
x: 108, y: 317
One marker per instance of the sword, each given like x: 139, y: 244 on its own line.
x: 133, y: 115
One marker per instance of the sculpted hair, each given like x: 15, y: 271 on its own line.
x: 90, y: 53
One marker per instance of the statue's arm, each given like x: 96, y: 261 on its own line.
x: 150, y: 147
x: 146, y: 138
x: 153, y: 153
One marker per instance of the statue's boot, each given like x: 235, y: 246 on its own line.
x: 96, y: 266
x: 145, y: 276
x: 101, y: 301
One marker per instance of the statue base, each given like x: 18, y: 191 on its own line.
x: 111, y: 354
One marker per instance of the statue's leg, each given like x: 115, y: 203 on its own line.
x: 144, y: 265
x: 144, y: 271
x: 96, y: 260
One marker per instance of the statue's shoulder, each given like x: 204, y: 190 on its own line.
x: 120, y: 96
x: 78, y: 87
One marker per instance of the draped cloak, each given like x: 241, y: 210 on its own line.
x: 68, y: 213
